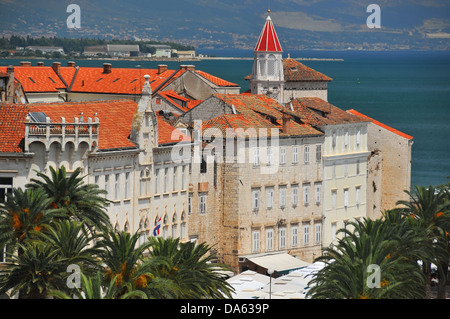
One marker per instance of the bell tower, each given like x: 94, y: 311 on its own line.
x: 267, y: 73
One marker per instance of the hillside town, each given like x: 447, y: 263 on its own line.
x: 267, y: 177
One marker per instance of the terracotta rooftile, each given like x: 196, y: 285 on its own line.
x: 115, y: 118
x: 296, y: 71
x: 12, y: 126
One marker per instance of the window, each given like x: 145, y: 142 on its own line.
x: 157, y: 181
x: 358, y: 195
x: 269, y: 156
x: 306, y: 193
x: 255, y: 198
x: 269, y: 197
x: 294, y: 195
x: 269, y: 239
x: 107, y: 185
x: 318, y: 192
x: 295, y: 154
x: 357, y: 167
x: 346, y: 139
x: 282, y: 196
x: 174, y: 226
x: 294, y: 231
x: 318, y: 153
x: 166, y: 180
x: 116, y: 186
x: 346, y: 169
x: 203, y: 166
x: 306, y: 154
x: 318, y: 233
x: 256, y: 157
x: 271, y: 68
x: 358, y: 137
x: 333, y: 198
x: 165, y: 227
x: 346, y: 197
x: 190, y: 204
x: 282, y: 237
x: 282, y: 155
x: 183, y: 226
x: 175, y: 178
x: 183, y: 177
x: 306, y: 234
x: 333, y: 170
x: 5, y: 187
x: 255, y: 241
x: 127, y: 186
x: 202, y: 203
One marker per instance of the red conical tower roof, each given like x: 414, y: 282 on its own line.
x: 268, y: 40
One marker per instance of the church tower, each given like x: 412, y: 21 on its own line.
x: 267, y: 74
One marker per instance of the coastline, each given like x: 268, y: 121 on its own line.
x: 159, y: 59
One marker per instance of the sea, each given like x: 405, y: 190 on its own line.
x: 407, y: 90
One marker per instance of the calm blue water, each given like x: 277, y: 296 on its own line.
x: 409, y: 91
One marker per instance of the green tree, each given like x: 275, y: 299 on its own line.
x: 24, y: 212
x: 393, y: 247
x: 428, y: 208
x: 191, y: 267
x: 84, y: 202
x: 33, y: 273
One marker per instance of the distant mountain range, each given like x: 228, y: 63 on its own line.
x: 213, y: 24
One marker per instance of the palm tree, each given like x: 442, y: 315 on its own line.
x: 73, y: 243
x: 33, y: 273
x: 429, y: 208
x: 94, y: 288
x: 372, y: 245
x: 191, y: 267
x: 24, y: 213
x: 125, y: 262
x: 84, y: 202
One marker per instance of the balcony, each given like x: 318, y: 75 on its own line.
x: 48, y: 132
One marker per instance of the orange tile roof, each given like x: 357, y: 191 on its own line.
x: 12, y: 126
x: 115, y: 118
x: 215, y: 79
x: 295, y: 71
x: 260, y: 111
x: 167, y: 134
x: 393, y: 130
x: 181, y: 102
x: 118, y: 81
x: 318, y: 112
x: 37, y: 78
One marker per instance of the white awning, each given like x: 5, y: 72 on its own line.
x: 279, y: 262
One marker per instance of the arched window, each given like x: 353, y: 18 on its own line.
x: 165, y: 226
x: 183, y: 226
x: 261, y: 65
x: 271, y: 66
x: 174, y: 226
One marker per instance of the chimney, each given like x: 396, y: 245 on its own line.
x: 162, y: 68
x: 71, y: 63
x: 10, y: 84
x: 286, y: 121
x: 40, y: 63
x: 25, y: 63
x: 190, y: 67
x: 183, y: 67
x: 106, y: 68
x: 56, y: 67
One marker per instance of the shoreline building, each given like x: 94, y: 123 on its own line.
x: 121, y: 145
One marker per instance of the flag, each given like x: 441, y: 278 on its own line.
x: 157, y: 227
